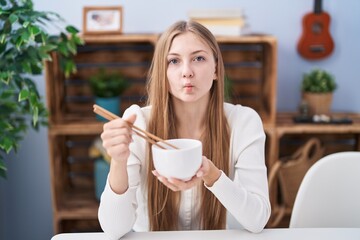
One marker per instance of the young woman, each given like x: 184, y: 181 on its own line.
x: 186, y: 100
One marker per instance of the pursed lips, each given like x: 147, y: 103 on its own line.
x: 188, y: 87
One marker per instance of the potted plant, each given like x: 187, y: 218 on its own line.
x: 107, y: 88
x: 317, y: 91
x: 25, y: 45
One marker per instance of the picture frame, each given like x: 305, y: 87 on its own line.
x: 103, y: 20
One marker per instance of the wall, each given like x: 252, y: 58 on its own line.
x: 25, y: 202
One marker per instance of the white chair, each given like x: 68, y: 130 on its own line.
x: 329, y: 195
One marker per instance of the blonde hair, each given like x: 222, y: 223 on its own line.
x: 163, y: 204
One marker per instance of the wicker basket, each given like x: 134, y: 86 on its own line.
x: 287, y: 174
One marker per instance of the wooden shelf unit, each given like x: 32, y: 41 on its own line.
x: 286, y: 137
x: 334, y: 137
x: 250, y: 63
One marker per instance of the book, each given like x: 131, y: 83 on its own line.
x: 224, y: 22
x: 225, y: 30
x: 215, y: 13
x: 221, y: 21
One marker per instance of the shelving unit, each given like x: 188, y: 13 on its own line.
x: 250, y: 62
x: 287, y: 136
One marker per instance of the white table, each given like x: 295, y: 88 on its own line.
x: 266, y: 234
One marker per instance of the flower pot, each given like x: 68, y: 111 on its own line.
x: 110, y: 104
x: 318, y: 103
x: 101, y: 170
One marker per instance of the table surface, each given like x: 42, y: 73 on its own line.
x: 266, y: 234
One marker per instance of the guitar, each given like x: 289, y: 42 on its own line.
x: 316, y: 42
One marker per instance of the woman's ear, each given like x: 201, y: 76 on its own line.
x: 215, y: 76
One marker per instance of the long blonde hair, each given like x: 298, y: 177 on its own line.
x: 163, y: 204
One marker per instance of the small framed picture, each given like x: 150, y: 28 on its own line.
x: 102, y: 20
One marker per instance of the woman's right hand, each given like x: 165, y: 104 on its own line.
x: 116, y: 138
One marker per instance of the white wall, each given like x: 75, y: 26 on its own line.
x: 25, y: 202
x: 281, y: 18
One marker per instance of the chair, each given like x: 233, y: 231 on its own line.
x: 286, y: 175
x: 329, y: 195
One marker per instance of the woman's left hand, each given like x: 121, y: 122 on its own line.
x: 208, y: 172
x: 177, y: 184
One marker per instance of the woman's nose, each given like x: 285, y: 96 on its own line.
x: 187, y: 71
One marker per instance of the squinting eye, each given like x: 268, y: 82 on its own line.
x: 173, y: 61
x: 198, y: 59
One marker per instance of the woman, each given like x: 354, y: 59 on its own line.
x: 186, y: 100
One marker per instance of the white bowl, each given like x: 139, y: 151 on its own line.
x: 182, y: 163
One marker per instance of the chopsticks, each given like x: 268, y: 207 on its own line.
x: 138, y: 131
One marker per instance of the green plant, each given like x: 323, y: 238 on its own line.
x: 107, y: 85
x: 318, y: 81
x: 25, y: 45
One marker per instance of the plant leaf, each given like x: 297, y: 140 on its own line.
x: 26, y: 67
x: 13, y: 18
x: 7, y: 27
x: 3, y: 3
x: 78, y: 40
x: 5, y: 77
x: 2, y: 38
x: 19, y: 42
x: 48, y: 47
x: 25, y: 36
x: 63, y: 49
x: 44, y: 55
x: 3, y: 169
x: 71, y: 46
x: 23, y: 95
x: 6, y: 126
x: 34, y: 30
x: 6, y: 144
x: 71, y: 29
x: 35, y: 115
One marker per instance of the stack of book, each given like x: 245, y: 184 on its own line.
x: 226, y: 22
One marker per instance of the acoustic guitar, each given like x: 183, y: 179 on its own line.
x: 316, y: 42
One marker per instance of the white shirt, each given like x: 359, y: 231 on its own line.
x: 244, y: 193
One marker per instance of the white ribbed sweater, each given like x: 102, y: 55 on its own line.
x: 244, y: 193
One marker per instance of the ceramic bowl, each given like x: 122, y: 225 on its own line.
x: 181, y: 163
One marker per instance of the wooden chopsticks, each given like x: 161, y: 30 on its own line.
x: 138, y: 131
